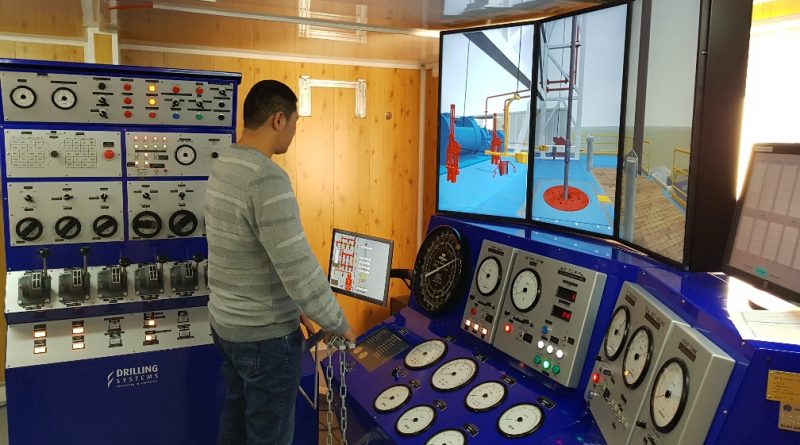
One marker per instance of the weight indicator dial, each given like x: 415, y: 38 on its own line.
x: 185, y: 154
x: 425, y: 354
x: 447, y: 437
x: 438, y: 279
x: 668, y: 398
x: 64, y: 98
x: 525, y: 290
x: 23, y: 97
x: 520, y: 420
x: 485, y: 396
x: 454, y: 374
x: 392, y: 398
x: 415, y: 420
x: 637, y: 358
x: 617, y: 333
x: 488, y: 275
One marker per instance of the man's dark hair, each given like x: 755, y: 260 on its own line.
x: 266, y: 98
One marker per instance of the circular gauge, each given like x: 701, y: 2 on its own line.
x: 29, y: 229
x: 185, y: 154
x: 415, y: 420
x: 146, y: 224
x: 488, y: 275
x: 454, y: 374
x: 520, y: 420
x: 637, y: 358
x: 23, y: 97
x: 447, y: 437
x: 439, y: 275
x: 68, y: 227
x: 525, y: 290
x: 64, y: 98
x: 392, y: 398
x: 425, y: 354
x: 105, y: 226
x: 668, y: 398
x: 485, y: 396
x: 617, y: 333
x: 183, y: 223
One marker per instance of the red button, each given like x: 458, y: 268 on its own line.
x: 176, y: 89
x: 152, y: 115
x: 473, y: 311
x: 199, y: 90
x: 128, y: 113
x: 126, y: 87
x: 108, y: 154
x: 127, y: 100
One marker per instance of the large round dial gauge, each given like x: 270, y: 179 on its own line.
x: 392, y: 398
x: 23, y: 97
x: 485, y: 396
x: 185, y: 154
x: 637, y: 358
x: 668, y: 397
x: 439, y: 271
x: 64, y: 98
x: 425, y: 354
x: 520, y: 420
x: 488, y: 275
x: 525, y: 290
x: 454, y: 374
x: 447, y: 437
x: 617, y: 333
x: 416, y: 420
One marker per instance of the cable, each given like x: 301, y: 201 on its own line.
x: 466, y: 81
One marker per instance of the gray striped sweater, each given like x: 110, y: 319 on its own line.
x: 261, y: 270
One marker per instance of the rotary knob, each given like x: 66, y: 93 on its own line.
x: 105, y: 226
x: 146, y: 224
x: 183, y: 223
x: 29, y: 229
x: 68, y: 227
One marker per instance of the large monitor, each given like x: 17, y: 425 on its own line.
x: 360, y: 266
x: 763, y: 246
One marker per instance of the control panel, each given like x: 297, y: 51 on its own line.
x: 548, y: 315
x: 53, y: 97
x: 626, y: 365
x: 165, y: 209
x: 487, y: 290
x: 60, y: 153
x: 64, y: 212
x: 172, y: 154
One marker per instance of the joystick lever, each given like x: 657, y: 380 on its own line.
x: 85, y: 254
x: 44, y: 253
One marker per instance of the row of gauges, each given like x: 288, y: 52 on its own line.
x: 517, y: 421
x: 63, y: 97
x: 146, y: 224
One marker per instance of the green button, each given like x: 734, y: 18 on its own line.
x: 556, y: 369
x: 537, y: 359
x: 546, y: 364
x: 198, y: 116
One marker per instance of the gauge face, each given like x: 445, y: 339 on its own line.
x: 392, y: 398
x: 637, y: 358
x: 454, y: 374
x: 485, y: 396
x: 64, y: 98
x: 520, y: 420
x: 185, y: 155
x: 438, y: 279
x: 488, y: 275
x: 425, y: 354
x: 617, y: 333
x: 415, y: 420
x: 668, y: 398
x: 447, y: 437
x: 23, y: 97
x: 525, y: 290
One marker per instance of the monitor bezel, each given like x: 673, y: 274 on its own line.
x: 385, y: 300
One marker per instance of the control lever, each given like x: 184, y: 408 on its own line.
x: 161, y: 259
x: 103, y: 114
x: 44, y: 253
x: 112, y: 282
x: 34, y: 286
x: 85, y: 254
x: 73, y: 284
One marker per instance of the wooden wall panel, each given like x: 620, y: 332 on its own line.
x: 431, y: 133
x: 62, y: 18
x: 355, y: 174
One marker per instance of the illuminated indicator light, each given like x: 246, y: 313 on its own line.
x: 136, y: 146
x: 78, y: 345
x: 148, y: 337
x: 145, y: 138
x: 127, y: 100
x: 176, y: 116
x: 151, y: 101
x: 77, y: 330
x: 199, y: 90
x: 151, y: 322
x: 475, y: 327
x: 560, y: 354
x: 145, y: 146
x: 151, y: 88
x: 146, y: 163
x: 467, y: 322
x: 40, y: 334
x: 152, y: 115
x: 198, y: 116
x: 595, y: 377
x: 176, y: 89
x: 165, y: 145
x: 126, y: 87
x: 546, y: 364
x: 137, y: 163
x: 556, y: 369
x: 540, y: 344
x: 164, y: 139
x: 484, y: 331
x: 537, y: 359
x: 136, y: 138
x: 508, y: 328
x: 473, y: 311
x: 545, y: 329
x: 550, y: 349
x: 128, y: 113
x: 39, y: 349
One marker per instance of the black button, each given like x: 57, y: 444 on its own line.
x: 489, y: 318
x: 527, y: 337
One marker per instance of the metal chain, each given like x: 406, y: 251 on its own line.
x: 343, y: 390
x: 329, y: 393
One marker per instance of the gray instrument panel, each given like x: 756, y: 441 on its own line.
x: 62, y: 153
x: 166, y: 209
x: 487, y: 290
x: 172, y: 154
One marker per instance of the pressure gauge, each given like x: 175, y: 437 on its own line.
x: 64, y: 98
x: 415, y: 420
x: 488, y: 275
x: 439, y: 272
x: 668, y: 398
x: 637, y: 358
x: 617, y: 333
x: 454, y: 374
x: 485, y: 396
x: 520, y: 420
x: 425, y: 354
x: 23, y: 97
x: 525, y: 290
x: 392, y: 398
x: 185, y: 154
x: 447, y: 437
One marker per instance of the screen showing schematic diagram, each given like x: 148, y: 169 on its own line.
x: 360, y: 266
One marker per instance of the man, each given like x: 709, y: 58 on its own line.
x: 262, y: 273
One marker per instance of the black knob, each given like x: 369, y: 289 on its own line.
x: 214, y: 154
x: 29, y: 198
x: 124, y: 262
x: 101, y: 85
x: 102, y: 100
x: 104, y: 196
x: 85, y: 251
x: 67, y: 196
x: 105, y: 226
x: 68, y: 227
x: 162, y: 259
x: 44, y: 253
x: 222, y: 92
x: 103, y: 114
x: 181, y: 195
x: 146, y: 195
x: 221, y: 117
x: 54, y: 154
x: 197, y: 257
x: 222, y: 104
x: 199, y: 103
x: 175, y: 103
x: 641, y: 423
x: 29, y: 229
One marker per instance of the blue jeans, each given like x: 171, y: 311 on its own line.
x: 261, y: 378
